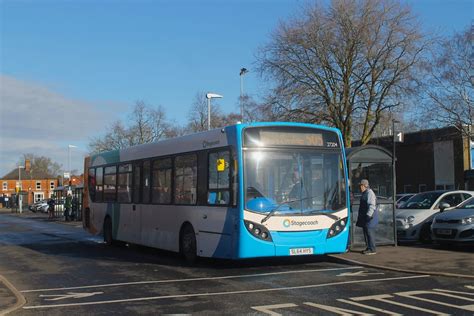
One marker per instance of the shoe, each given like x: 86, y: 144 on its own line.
x: 369, y: 252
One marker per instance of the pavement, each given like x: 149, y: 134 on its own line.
x: 451, y: 261
x: 454, y: 261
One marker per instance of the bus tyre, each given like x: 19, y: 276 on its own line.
x: 188, y: 244
x: 108, y: 238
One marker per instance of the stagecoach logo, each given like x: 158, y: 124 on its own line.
x: 206, y: 144
x: 287, y: 223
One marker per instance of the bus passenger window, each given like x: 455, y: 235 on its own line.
x: 136, y: 182
x: 161, y: 188
x: 99, y: 188
x: 124, y: 188
x: 218, y: 181
x: 91, y: 184
x: 146, y: 182
x: 185, y: 181
x: 110, y: 184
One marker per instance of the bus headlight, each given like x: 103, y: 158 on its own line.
x: 337, y: 227
x: 258, y: 231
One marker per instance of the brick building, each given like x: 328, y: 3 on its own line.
x: 35, y: 185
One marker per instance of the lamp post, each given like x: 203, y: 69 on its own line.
x: 243, y: 71
x: 69, y: 160
x: 20, y: 200
x: 210, y: 96
x: 394, y: 180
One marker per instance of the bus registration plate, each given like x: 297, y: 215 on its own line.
x: 301, y: 251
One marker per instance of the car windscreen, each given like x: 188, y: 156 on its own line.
x: 422, y: 200
x: 467, y: 204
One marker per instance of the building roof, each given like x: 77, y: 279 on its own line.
x: 32, y: 174
x: 423, y: 136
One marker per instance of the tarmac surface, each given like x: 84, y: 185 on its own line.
x: 453, y: 261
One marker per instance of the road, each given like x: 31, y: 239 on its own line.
x: 61, y: 270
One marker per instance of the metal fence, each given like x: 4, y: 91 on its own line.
x: 60, y: 194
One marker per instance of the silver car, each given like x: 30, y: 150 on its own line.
x: 414, y: 218
x: 455, y: 226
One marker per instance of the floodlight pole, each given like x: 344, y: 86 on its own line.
x: 394, y: 180
x: 20, y: 199
x: 69, y: 161
x: 210, y: 96
x: 243, y: 71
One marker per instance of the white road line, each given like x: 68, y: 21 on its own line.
x: 267, y: 309
x: 225, y: 293
x: 190, y: 280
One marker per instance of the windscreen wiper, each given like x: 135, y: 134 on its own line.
x: 325, y: 213
x: 270, y: 214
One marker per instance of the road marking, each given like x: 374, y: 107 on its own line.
x: 369, y: 307
x: 190, y: 280
x: 267, y: 309
x: 337, y: 310
x: 68, y: 295
x: 455, y: 292
x: 384, y: 298
x: 358, y: 273
x: 226, y: 293
x: 413, y: 295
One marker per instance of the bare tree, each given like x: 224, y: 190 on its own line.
x: 149, y: 123
x: 146, y: 124
x: 343, y: 64
x: 41, y: 164
x: 449, y: 83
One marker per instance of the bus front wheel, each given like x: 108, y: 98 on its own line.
x: 188, y: 247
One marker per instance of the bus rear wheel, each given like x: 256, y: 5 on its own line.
x: 188, y: 247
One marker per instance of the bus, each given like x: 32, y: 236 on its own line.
x: 243, y: 191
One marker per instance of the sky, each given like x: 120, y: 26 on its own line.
x: 69, y: 68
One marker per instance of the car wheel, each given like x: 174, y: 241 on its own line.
x: 188, y: 247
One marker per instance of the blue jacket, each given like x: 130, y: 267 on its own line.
x: 368, y: 215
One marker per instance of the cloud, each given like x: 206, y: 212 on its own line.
x: 34, y: 119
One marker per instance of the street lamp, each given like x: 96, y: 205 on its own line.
x: 69, y: 161
x: 243, y: 71
x: 394, y: 181
x: 20, y: 200
x: 210, y: 96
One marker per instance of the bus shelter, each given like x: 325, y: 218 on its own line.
x: 60, y: 194
x: 373, y: 163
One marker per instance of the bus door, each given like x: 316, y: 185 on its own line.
x: 216, y: 221
x: 130, y: 210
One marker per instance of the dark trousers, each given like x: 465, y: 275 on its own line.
x: 66, y: 214
x: 369, y: 236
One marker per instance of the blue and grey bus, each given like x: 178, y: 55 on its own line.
x: 243, y: 191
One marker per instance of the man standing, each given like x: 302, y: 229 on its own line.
x: 368, y: 217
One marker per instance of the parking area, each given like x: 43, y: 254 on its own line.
x: 77, y: 273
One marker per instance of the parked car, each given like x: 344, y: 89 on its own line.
x: 38, y: 206
x: 402, y: 198
x: 414, y: 218
x: 455, y: 226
